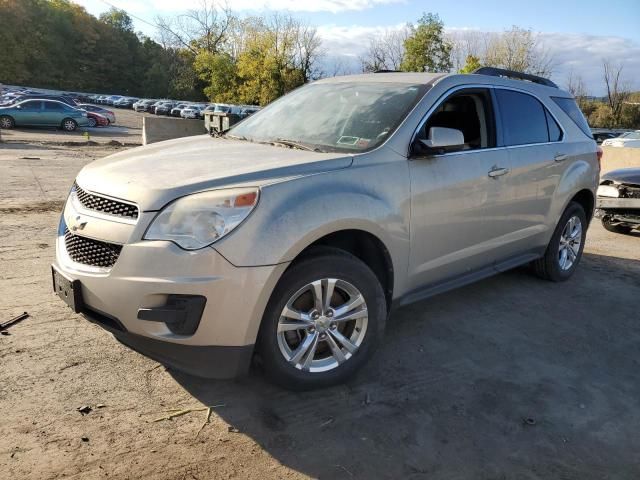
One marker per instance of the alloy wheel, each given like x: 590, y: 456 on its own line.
x: 5, y: 122
x: 322, y: 325
x: 69, y: 125
x: 570, y: 242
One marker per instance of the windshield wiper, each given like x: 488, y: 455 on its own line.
x: 294, y: 144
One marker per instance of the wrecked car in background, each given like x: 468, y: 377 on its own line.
x: 618, y: 202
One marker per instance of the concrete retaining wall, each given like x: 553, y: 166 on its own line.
x: 620, y: 157
x: 157, y: 129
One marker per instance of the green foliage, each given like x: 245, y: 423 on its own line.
x: 73, y: 50
x: 220, y: 74
x: 471, y: 65
x: 599, y: 113
x: 426, y: 49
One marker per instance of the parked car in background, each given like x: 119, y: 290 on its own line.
x: 125, y: 102
x: 628, y: 140
x: 144, y: 105
x: 602, y: 134
x: 176, y: 111
x: 108, y: 114
x: 192, y: 111
x: 154, y: 105
x: 618, y: 202
x: 246, y: 111
x: 208, y: 109
x: 164, y: 108
x: 293, y: 235
x: 37, y: 112
x: 96, y: 120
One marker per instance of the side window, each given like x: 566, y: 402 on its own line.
x: 470, y: 112
x: 524, y: 119
x: 53, y: 107
x: 31, y: 106
x: 555, y: 134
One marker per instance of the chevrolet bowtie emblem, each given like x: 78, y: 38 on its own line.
x: 78, y: 224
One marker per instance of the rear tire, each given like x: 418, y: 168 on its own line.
x: 319, y: 342
x: 621, y: 229
x: 7, y: 122
x: 69, y: 125
x: 565, y: 248
x: 92, y: 122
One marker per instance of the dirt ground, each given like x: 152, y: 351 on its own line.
x: 510, y: 378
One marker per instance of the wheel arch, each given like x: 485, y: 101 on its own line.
x: 364, y: 245
x: 586, y: 199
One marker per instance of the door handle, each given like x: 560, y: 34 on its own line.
x: 498, y: 172
x: 561, y: 157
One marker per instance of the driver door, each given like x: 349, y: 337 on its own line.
x: 457, y: 193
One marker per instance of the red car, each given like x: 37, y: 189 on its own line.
x: 97, y: 120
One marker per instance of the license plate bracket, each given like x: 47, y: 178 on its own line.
x: 68, y: 290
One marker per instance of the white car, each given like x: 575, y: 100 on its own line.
x: 629, y: 140
x: 192, y: 111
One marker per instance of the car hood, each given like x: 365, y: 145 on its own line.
x: 623, y: 175
x: 156, y: 174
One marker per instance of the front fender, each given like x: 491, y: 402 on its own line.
x: 293, y: 214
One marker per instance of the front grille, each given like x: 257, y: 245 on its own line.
x: 95, y: 202
x: 91, y: 252
x: 631, y: 191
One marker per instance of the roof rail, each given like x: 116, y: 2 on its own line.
x: 501, y: 72
x: 387, y: 71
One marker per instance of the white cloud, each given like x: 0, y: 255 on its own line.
x: 580, y: 54
x: 333, y: 6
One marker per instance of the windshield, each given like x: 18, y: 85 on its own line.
x: 343, y: 117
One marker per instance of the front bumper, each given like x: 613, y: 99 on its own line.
x: 619, y: 210
x: 147, y: 273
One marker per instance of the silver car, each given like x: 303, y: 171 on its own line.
x: 292, y: 236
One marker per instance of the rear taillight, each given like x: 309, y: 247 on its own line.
x: 599, y: 152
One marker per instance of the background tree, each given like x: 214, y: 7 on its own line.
x: 617, y: 91
x: 518, y: 49
x: 426, y: 49
x: 385, y: 52
x: 471, y: 65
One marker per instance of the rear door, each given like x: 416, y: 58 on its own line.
x: 537, y: 154
x: 54, y: 113
x: 457, y: 196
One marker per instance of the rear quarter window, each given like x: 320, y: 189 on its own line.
x: 570, y: 107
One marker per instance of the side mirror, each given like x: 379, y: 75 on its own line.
x: 440, y: 137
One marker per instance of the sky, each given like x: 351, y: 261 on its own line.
x: 577, y: 34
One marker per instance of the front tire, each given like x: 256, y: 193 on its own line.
x: 69, y: 125
x: 565, y: 248
x: 323, y: 321
x: 92, y: 122
x: 7, y: 122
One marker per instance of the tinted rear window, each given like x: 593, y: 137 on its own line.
x: 569, y: 106
x: 555, y: 134
x: 524, y: 119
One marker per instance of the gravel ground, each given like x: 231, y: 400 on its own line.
x: 512, y: 377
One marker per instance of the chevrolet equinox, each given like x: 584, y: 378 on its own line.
x: 292, y: 235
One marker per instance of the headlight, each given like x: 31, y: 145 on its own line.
x: 608, y: 191
x: 198, y: 220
